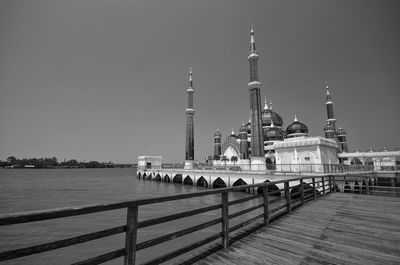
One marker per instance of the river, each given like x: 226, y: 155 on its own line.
x: 36, y: 189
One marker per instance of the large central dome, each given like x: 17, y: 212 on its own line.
x: 269, y: 115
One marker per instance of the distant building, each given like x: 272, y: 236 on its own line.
x: 149, y: 162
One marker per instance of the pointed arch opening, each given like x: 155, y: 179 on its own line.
x: 347, y: 187
x: 177, y: 178
x: 158, y: 178
x: 202, y: 182
x: 144, y: 175
x: 167, y: 179
x: 150, y: 176
x: 139, y: 175
x: 307, y: 189
x: 240, y: 182
x: 363, y: 186
x: 273, y: 190
x: 188, y: 181
x: 219, y: 183
x: 356, y: 187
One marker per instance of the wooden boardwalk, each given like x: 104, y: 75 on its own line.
x: 337, y: 229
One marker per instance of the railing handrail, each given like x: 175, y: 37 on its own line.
x: 40, y: 215
x: 293, y: 198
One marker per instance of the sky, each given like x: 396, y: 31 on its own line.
x: 106, y: 80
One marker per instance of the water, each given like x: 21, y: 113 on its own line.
x: 34, y: 189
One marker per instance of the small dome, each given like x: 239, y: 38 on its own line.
x: 217, y: 133
x: 296, y: 129
x: 329, y: 127
x: 243, y: 128
x: 341, y: 132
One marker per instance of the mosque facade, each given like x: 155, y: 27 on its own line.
x: 263, y: 142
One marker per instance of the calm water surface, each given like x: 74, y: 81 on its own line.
x: 36, y: 189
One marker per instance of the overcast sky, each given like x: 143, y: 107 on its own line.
x: 106, y: 80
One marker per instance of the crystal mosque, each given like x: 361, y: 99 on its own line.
x: 264, y: 143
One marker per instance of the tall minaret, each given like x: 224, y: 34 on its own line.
x: 329, y: 110
x: 217, y: 144
x: 257, y: 143
x: 189, y: 153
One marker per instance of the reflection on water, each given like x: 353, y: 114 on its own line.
x: 35, y: 189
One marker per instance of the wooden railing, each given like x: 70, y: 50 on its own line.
x: 292, y: 194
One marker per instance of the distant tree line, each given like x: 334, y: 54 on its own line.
x: 51, y: 163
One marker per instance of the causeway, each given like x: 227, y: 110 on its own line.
x: 341, y: 228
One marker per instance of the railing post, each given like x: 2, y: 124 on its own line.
x: 314, y: 188
x: 131, y: 235
x: 323, y: 186
x: 333, y: 184
x: 367, y: 184
x: 266, y: 204
x: 301, y: 191
x: 287, y: 195
x: 225, y: 219
x: 330, y: 183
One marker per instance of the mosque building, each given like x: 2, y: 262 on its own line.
x: 263, y: 142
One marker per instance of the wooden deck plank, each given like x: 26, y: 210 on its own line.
x: 337, y: 229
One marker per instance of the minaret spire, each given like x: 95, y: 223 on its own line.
x: 189, y: 146
x: 252, y: 41
x: 257, y: 139
x: 328, y: 95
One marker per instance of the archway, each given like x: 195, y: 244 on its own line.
x: 158, y: 177
x: 356, y: 161
x: 356, y: 187
x: 167, y: 179
x: 273, y: 190
x: 150, y: 176
x: 364, y: 186
x: 144, y: 175
x: 188, y: 181
x: 308, y: 191
x: 219, y: 183
x: 347, y: 187
x: 270, y: 164
x: 139, y: 175
x: 239, y: 182
x: 177, y: 178
x: 202, y: 182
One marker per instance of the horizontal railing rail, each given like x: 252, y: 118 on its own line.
x: 266, y: 208
x: 287, y: 168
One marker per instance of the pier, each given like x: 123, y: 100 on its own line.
x: 339, y: 229
x: 310, y: 224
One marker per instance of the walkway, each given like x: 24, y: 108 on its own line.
x: 338, y: 229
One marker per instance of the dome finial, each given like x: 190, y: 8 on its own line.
x: 233, y: 132
x: 190, y: 76
x: 270, y: 104
x: 252, y: 42
x: 295, y: 117
x: 328, y: 95
x: 266, y: 104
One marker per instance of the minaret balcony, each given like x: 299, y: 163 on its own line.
x: 254, y: 84
x: 190, y: 111
x: 252, y: 55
